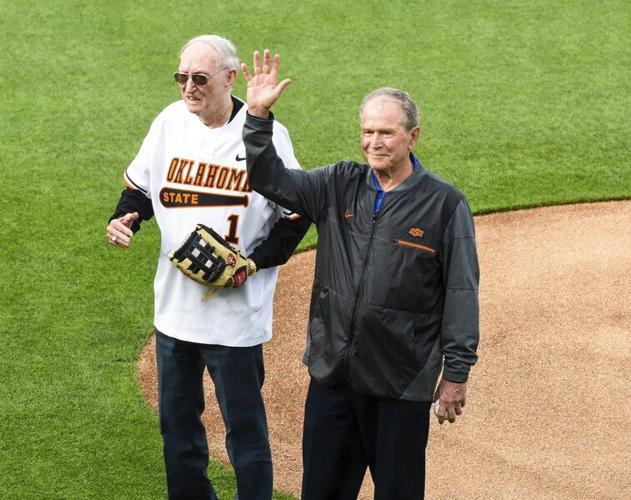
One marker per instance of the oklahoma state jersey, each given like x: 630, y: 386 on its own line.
x: 194, y: 174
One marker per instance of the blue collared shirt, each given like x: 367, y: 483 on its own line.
x: 381, y: 194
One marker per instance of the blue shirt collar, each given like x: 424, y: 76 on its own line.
x: 380, y: 192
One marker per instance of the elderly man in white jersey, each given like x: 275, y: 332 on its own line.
x: 191, y: 169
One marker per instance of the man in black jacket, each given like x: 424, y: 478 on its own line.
x: 395, y: 294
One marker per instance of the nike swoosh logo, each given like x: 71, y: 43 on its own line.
x: 239, y: 158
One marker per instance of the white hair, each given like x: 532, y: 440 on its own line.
x: 224, y: 47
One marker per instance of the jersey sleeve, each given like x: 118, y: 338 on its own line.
x: 138, y: 174
x: 283, y: 146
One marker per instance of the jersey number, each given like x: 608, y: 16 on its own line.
x: 232, y: 237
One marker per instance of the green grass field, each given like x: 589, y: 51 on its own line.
x: 522, y: 104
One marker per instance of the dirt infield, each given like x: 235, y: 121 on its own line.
x: 548, y: 411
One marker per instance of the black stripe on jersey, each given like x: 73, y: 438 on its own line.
x: 133, y: 185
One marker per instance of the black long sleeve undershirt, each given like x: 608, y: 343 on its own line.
x: 275, y: 250
x: 133, y: 200
x: 280, y: 242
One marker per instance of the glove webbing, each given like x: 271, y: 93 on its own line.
x: 200, y: 253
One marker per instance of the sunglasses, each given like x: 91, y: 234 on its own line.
x: 198, y: 78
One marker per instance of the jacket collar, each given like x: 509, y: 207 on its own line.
x: 417, y: 174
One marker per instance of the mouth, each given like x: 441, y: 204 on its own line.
x: 192, y: 98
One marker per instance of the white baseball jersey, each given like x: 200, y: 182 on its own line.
x: 194, y: 174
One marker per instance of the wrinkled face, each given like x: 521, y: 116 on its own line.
x: 385, y: 142
x: 204, y: 100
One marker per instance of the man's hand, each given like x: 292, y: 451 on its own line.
x: 451, y: 399
x: 119, y: 231
x: 263, y: 89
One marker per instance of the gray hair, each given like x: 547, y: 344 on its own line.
x: 224, y: 47
x: 410, y: 111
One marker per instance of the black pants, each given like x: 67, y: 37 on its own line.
x: 237, y: 373
x: 344, y: 432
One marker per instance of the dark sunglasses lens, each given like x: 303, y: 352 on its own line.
x: 199, y: 79
x: 182, y: 78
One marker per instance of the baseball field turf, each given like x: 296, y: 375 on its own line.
x: 522, y: 104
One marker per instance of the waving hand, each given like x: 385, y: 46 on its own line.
x: 263, y: 88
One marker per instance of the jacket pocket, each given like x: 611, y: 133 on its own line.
x: 392, y: 348
x: 319, y: 334
x: 408, y: 275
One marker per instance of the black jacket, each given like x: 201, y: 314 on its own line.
x: 393, y: 294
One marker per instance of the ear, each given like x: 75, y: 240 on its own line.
x: 231, y: 76
x: 415, y: 133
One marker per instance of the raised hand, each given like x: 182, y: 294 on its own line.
x: 263, y: 88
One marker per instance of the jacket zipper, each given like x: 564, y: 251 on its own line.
x: 354, y: 314
x: 414, y: 245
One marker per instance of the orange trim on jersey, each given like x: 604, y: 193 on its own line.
x: 415, y: 245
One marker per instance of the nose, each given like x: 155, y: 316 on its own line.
x: 375, y: 140
x: 189, y: 84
